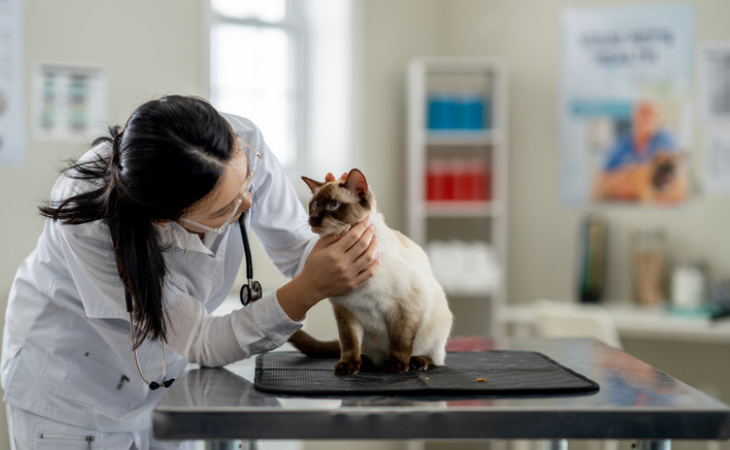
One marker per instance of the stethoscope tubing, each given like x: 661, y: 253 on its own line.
x: 250, y: 292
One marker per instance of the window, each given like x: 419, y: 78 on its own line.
x: 256, y: 69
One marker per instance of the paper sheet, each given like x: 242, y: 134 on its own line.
x: 717, y: 163
x: 70, y: 102
x: 12, y: 125
x: 715, y: 81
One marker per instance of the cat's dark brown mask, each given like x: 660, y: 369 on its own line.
x: 336, y: 205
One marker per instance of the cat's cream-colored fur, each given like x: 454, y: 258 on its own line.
x: 400, y: 318
x: 404, y: 279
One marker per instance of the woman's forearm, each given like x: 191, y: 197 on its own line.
x: 296, y: 298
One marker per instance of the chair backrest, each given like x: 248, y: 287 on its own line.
x: 562, y: 319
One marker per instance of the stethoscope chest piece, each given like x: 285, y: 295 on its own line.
x: 250, y: 292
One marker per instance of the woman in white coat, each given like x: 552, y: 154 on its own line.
x: 152, y: 212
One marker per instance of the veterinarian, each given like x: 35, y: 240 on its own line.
x: 150, y: 215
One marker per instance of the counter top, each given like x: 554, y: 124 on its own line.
x: 635, y: 401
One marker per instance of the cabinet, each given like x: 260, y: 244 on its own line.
x: 456, y: 182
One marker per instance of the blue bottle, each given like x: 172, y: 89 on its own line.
x: 442, y: 110
x: 472, y: 111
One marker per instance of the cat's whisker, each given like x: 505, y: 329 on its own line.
x: 301, y: 227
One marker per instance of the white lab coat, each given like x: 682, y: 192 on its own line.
x: 67, y: 348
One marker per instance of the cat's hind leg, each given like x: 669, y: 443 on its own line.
x: 402, y: 329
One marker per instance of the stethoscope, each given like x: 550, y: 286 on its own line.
x: 250, y: 292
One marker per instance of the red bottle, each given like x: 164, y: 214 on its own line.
x: 477, y: 180
x: 436, y: 180
x: 460, y: 174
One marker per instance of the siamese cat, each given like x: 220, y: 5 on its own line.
x: 399, y: 319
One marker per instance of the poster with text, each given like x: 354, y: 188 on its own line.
x: 715, y: 82
x: 717, y: 163
x: 12, y: 125
x: 625, y: 104
x: 70, y: 102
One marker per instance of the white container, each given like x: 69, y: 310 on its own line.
x: 688, y: 285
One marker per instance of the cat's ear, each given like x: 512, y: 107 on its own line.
x: 357, y: 184
x: 313, y: 185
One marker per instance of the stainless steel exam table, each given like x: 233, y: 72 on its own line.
x: 635, y: 401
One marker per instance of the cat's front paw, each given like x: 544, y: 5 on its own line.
x: 347, y: 367
x: 396, y: 365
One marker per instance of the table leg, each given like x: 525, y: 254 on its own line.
x: 665, y: 444
x: 223, y: 445
x: 556, y: 444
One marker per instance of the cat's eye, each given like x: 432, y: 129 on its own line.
x: 314, y: 204
x: 334, y: 205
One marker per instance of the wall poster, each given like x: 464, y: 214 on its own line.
x: 715, y: 82
x: 717, y: 163
x: 70, y: 102
x: 625, y: 104
x: 12, y: 123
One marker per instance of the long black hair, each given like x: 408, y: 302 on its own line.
x: 170, y: 154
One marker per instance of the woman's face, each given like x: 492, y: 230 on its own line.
x: 216, y: 208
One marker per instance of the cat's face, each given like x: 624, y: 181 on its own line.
x: 336, y: 205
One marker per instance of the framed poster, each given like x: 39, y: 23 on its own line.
x: 715, y: 82
x: 70, y: 102
x: 717, y: 163
x: 12, y: 108
x: 625, y: 104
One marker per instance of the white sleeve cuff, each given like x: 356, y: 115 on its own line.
x: 214, y: 341
x: 271, y: 320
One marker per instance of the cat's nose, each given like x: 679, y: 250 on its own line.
x: 315, y: 220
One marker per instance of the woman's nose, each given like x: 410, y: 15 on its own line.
x: 246, y: 203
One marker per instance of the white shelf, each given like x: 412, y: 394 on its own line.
x: 462, y: 208
x: 488, y: 146
x: 462, y: 138
x: 643, y: 323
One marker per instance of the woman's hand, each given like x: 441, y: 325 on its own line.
x: 337, y: 265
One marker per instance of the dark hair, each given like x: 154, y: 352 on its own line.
x: 170, y: 154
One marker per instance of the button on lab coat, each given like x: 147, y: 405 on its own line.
x: 67, y: 348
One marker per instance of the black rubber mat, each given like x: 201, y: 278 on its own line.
x: 503, y: 373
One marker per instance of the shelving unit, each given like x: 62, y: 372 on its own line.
x: 457, y: 167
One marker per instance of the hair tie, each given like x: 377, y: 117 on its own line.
x: 116, y: 143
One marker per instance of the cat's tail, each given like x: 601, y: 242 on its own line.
x: 314, y: 348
